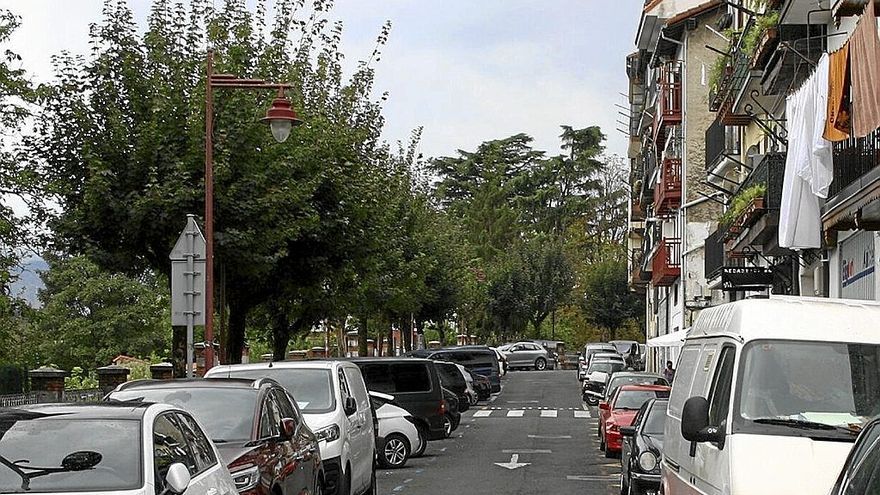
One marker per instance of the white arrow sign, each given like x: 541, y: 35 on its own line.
x: 514, y: 462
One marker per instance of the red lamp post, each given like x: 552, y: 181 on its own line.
x: 281, y: 118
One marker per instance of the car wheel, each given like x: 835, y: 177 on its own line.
x: 472, y: 400
x: 423, y: 442
x: 447, y: 426
x: 344, y: 486
x: 395, y: 452
x: 540, y: 364
x: 608, y: 453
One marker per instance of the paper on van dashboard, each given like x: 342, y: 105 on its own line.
x: 302, y: 405
x: 828, y: 418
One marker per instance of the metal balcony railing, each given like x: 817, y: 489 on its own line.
x: 667, y: 194
x: 670, y: 93
x: 853, y: 158
x: 714, y: 254
x: 720, y: 143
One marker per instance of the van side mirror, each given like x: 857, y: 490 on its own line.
x: 628, y: 431
x: 695, y: 425
x: 350, y: 407
x: 603, y: 405
x: 288, y: 428
x: 177, y: 478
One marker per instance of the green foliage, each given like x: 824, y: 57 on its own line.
x: 740, y: 202
x: 80, y: 379
x: 716, y: 72
x: 90, y: 316
x: 607, y: 302
x: 753, y: 36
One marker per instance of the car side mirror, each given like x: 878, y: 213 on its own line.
x: 288, y: 428
x: 177, y: 478
x: 604, y: 406
x: 350, y: 407
x: 695, y: 425
x: 628, y: 431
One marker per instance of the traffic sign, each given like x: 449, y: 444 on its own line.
x: 188, y: 283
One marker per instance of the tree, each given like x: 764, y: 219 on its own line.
x: 549, y: 279
x: 90, y: 316
x: 606, y: 299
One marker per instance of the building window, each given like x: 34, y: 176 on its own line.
x: 675, y: 294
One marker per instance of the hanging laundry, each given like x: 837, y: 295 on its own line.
x: 837, y: 127
x: 808, y: 163
x: 865, y: 68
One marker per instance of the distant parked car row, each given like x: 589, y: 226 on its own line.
x: 282, y: 428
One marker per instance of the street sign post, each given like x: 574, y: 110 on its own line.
x: 188, y: 284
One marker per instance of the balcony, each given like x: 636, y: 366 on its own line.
x: 638, y: 278
x: 713, y: 261
x: 667, y: 193
x: 670, y: 93
x: 856, y: 184
x: 757, y: 223
x: 666, y: 262
x: 722, y: 148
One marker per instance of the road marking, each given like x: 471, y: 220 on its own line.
x: 482, y: 414
x: 526, y: 451
x: 407, y: 480
x: 549, y: 437
x: 548, y: 413
x: 515, y: 413
x: 522, y: 402
x: 397, y: 488
x: 443, y: 449
x: 513, y: 464
x: 582, y: 414
x: 610, y: 477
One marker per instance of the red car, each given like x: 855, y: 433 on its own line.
x: 621, y: 410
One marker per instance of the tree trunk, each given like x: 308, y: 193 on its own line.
x: 237, y: 320
x: 441, y: 329
x: 280, y: 336
x: 406, y: 333
x: 391, y: 345
x: 362, y: 337
x: 178, y: 350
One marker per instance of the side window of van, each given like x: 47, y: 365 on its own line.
x: 719, y: 395
x: 378, y: 378
x: 344, y: 392
x: 684, y: 376
x: 410, y: 377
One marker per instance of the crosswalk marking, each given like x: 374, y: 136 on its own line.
x: 548, y: 413
x: 482, y: 414
x: 582, y: 414
x: 515, y: 413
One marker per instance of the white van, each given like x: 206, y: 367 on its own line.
x: 769, y: 395
x: 336, y: 406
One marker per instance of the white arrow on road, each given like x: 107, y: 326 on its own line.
x: 513, y: 464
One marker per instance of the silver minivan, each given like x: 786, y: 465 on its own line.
x: 336, y: 406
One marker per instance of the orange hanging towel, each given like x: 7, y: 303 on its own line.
x: 864, y: 52
x: 838, y: 119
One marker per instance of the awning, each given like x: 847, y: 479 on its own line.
x: 674, y: 339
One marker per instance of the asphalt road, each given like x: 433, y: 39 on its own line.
x: 537, y: 420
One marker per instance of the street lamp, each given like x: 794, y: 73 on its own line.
x: 281, y: 118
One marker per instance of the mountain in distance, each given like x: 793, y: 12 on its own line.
x: 28, y: 282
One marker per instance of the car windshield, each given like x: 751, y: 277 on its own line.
x: 605, y: 366
x: 797, y: 384
x: 227, y: 414
x: 633, y: 399
x: 68, y: 455
x: 656, y: 419
x: 311, y: 388
x: 619, y: 381
x: 623, y: 347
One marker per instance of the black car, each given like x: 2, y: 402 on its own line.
x: 642, y: 445
x: 452, y: 379
x: 861, y: 473
x: 415, y: 385
x: 452, y: 414
x: 477, y: 359
x: 593, y: 390
x: 257, y: 428
x: 482, y: 386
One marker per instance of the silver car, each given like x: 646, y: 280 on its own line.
x: 530, y: 355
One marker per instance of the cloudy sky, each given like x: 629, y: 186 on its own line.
x: 466, y: 70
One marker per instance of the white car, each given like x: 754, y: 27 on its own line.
x: 469, y: 381
x: 334, y: 401
x: 399, y: 437
x: 108, y: 448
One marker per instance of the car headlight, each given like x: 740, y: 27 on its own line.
x: 647, y: 461
x: 246, y: 478
x: 328, y: 434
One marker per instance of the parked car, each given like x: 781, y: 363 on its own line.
x: 530, y: 355
x: 470, y: 391
x: 593, y: 388
x: 398, y: 436
x: 478, y: 359
x: 415, y: 385
x: 333, y: 399
x: 861, y: 472
x: 452, y: 379
x: 452, y: 414
x: 502, y: 361
x: 623, y: 346
x: 482, y: 386
x: 642, y: 449
x: 621, y: 411
x: 587, y: 354
x: 260, y: 433
x: 108, y: 448
x: 804, y: 385
x: 620, y: 378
